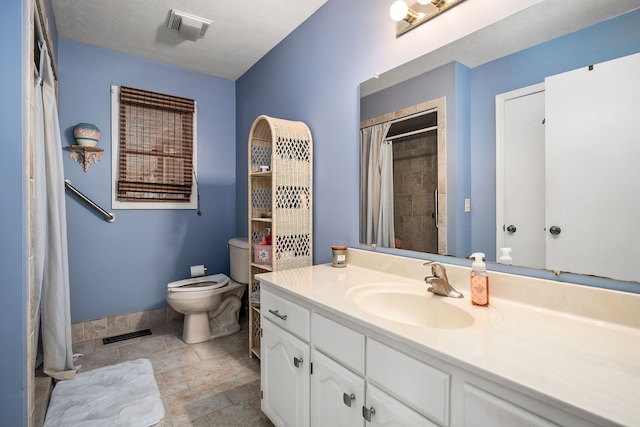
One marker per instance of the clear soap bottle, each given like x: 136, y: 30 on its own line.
x: 479, y: 281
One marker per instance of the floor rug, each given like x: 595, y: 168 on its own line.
x: 123, y: 395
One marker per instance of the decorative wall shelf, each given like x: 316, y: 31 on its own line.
x: 85, y: 155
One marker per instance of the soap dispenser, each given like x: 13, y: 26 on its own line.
x: 479, y: 281
x: 505, y: 256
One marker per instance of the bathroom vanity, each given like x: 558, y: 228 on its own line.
x: 367, y: 344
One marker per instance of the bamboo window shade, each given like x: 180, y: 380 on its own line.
x: 156, y: 147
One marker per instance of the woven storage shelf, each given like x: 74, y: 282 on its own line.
x: 285, y: 192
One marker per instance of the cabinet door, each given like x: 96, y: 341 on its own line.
x: 483, y: 409
x: 389, y: 412
x: 419, y: 385
x: 337, y: 394
x: 284, y: 375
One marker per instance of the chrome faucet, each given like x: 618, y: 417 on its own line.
x: 438, y: 282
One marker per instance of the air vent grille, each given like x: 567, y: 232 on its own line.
x: 204, y: 29
x: 194, y: 25
x: 174, y: 20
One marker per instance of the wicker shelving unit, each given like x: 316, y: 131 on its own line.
x: 280, y: 199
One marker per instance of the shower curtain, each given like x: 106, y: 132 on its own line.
x: 376, y: 168
x: 51, y: 267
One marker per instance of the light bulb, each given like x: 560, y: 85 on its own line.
x: 398, y: 10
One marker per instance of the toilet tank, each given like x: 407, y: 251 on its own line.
x: 239, y: 259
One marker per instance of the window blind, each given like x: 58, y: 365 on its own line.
x: 156, y: 147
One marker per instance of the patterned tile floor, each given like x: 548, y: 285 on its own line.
x: 214, y: 383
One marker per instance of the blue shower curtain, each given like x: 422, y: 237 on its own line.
x: 51, y: 267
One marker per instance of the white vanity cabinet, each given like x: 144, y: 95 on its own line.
x: 314, y: 372
x: 285, y: 365
x: 384, y: 410
x: 337, y: 382
x: 347, y: 364
x: 320, y: 369
x: 417, y: 384
x: 337, y: 394
x: 484, y: 409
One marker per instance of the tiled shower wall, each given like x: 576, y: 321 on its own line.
x: 415, y: 178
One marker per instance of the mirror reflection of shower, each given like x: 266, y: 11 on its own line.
x: 415, y: 182
x: 399, y: 175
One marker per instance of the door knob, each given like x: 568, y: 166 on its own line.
x: 297, y: 362
x: 555, y: 230
x: 511, y: 228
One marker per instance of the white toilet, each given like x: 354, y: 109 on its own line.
x: 211, y: 304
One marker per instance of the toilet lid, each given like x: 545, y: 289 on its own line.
x: 203, y: 283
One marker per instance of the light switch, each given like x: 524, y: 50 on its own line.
x: 467, y: 205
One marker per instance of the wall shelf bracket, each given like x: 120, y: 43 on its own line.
x: 85, y: 155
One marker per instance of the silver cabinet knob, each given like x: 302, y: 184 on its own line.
x: 368, y: 412
x: 555, y: 230
x: 347, y: 398
x: 511, y: 228
x: 278, y: 315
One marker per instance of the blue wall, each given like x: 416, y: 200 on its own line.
x: 608, y: 40
x: 314, y: 76
x: 13, y: 233
x: 125, y: 266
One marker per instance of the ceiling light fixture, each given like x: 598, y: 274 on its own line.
x: 409, y: 17
x: 189, y: 27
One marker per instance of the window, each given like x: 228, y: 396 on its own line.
x: 153, y: 150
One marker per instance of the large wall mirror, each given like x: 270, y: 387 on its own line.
x: 475, y: 77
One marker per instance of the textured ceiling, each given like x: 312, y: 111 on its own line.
x: 241, y: 32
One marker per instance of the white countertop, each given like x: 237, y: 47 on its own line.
x: 587, y: 362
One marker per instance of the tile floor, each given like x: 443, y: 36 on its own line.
x: 214, y: 383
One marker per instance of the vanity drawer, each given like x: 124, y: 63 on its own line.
x: 423, y: 387
x: 286, y: 314
x: 341, y: 343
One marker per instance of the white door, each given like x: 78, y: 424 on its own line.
x: 284, y: 377
x: 592, y: 152
x: 520, y: 175
x: 337, y: 394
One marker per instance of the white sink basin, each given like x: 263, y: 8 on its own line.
x: 411, y: 304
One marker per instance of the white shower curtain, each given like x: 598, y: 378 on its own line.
x: 377, y: 225
x: 51, y: 287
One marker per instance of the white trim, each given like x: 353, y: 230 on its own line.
x: 501, y: 100
x: 115, y: 157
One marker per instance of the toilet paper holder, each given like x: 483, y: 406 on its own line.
x: 198, y: 270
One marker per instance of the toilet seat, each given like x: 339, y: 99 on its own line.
x: 197, y: 284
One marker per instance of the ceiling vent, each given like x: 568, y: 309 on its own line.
x: 190, y: 27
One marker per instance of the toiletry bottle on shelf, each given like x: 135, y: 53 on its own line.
x: 479, y: 281
x: 263, y: 241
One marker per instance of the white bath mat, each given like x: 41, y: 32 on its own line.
x: 123, y: 395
